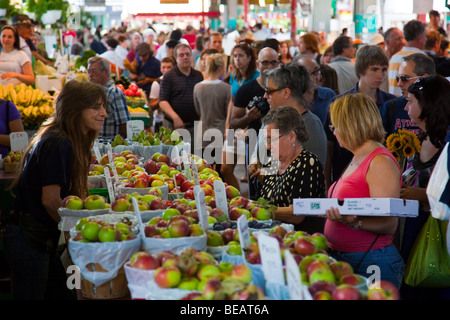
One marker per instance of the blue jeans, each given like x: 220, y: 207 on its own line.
x: 388, y: 259
x: 35, y: 274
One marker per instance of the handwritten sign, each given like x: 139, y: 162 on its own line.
x: 293, y: 277
x: 221, y: 196
x: 109, y: 185
x: 134, y: 127
x: 97, y: 152
x: 111, y: 163
x: 272, y: 265
x: 201, y: 207
x: 244, y: 232
x: 195, y: 173
x: 18, y: 141
x: 138, y: 217
x: 187, y: 165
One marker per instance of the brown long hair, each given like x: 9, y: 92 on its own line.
x: 249, y: 51
x: 73, y: 99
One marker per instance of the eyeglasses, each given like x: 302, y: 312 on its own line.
x: 92, y: 71
x: 267, y: 63
x: 405, y: 78
x: 332, y: 128
x: 271, y: 141
x: 269, y: 91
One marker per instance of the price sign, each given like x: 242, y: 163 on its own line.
x: 111, y: 162
x: 293, y: 277
x: 176, y: 187
x: 138, y: 217
x: 195, y: 173
x: 18, y: 141
x: 187, y: 165
x: 97, y: 152
x: 134, y: 127
x: 201, y: 207
x: 221, y: 196
x: 244, y: 232
x: 109, y: 185
x: 272, y: 265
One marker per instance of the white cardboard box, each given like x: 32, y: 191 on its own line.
x: 358, y: 206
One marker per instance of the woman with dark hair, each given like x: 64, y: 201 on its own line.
x: 243, y: 70
x: 328, y: 78
x: 429, y: 108
x: 15, y: 66
x: 55, y: 165
x: 285, y: 51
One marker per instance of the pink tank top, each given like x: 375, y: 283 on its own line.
x: 340, y: 236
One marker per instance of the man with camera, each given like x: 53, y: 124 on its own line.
x: 250, y: 106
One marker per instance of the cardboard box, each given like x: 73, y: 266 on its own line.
x: 358, y: 206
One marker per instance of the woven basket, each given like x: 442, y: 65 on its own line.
x: 116, y: 288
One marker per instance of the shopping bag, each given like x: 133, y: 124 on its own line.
x: 438, y: 187
x: 429, y: 262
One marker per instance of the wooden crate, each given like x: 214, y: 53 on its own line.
x: 116, y: 288
x: 11, y: 167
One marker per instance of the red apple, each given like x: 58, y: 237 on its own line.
x: 304, y: 246
x: 218, y: 214
x: 346, y: 292
x: 178, y: 228
x: 351, y: 279
x: 322, y: 286
x: 144, y: 260
x: 185, y: 185
x: 383, y: 290
x: 341, y: 268
x: 167, y: 277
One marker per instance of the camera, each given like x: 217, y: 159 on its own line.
x: 260, y: 103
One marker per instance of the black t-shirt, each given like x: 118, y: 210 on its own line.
x: 245, y: 95
x: 48, y: 163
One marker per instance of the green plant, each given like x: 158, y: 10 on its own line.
x: 11, y: 10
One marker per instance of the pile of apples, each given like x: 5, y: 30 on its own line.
x: 13, y: 157
x: 173, y: 224
x: 198, y: 271
x: 91, y: 202
x: 94, y: 230
x: 125, y: 162
x: 150, y: 201
x: 163, y: 136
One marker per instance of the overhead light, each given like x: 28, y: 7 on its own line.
x: 262, y: 3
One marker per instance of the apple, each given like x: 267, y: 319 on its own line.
x: 94, y: 202
x: 253, y: 255
x: 234, y: 250
x: 213, y: 290
x: 90, y: 231
x: 239, y: 201
x: 346, y: 292
x: 140, y: 183
x: 205, y: 257
x: 228, y: 235
x: 107, y: 234
x: 207, y: 189
x: 81, y: 223
x: 151, y: 166
x: 145, y: 261
x: 207, y: 271
x: 188, y: 283
x: 320, y: 240
x: 72, y: 203
x: 169, y: 213
x: 120, y: 205
x: 192, y: 296
x: 316, y: 265
x: 147, y: 198
x: 305, y: 246
x: 225, y: 266
x: 195, y: 230
x: 231, y: 192
x: 242, y: 272
x: 383, y: 290
x: 141, y: 205
x: 279, y: 230
x: 150, y: 230
x: 352, y: 279
x: 189, y: 194
x: 235, y: 213
x: 158, y: 204
x: 163, y: 158
x: 214, y: 239
x: 262, y: 213
x: 322, y: 295
x: 185, y: 185
x: 341, y: 268
x: 178, y: 228
x: 321, y: 285
x: 167, y: 277
x: 180, y: 178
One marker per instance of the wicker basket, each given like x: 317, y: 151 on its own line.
x: 11, y: 167
x: 116, y: 288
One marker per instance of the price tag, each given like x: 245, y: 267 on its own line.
x: 272, y: 266
x: 111, y: 162
x: 187, y: 165
x: 221, y: 196
x: 175, y: 186
x: 244, y: 232
x: 138, y: 217
x: 201, y: 207
x: 18, y: 141
x: 195, y: 173
x: 293, y: 277
x: 109, y: 185
x: 97, y: 152
x: 134, y: 128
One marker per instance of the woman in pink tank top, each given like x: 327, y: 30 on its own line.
x: 372, y: 173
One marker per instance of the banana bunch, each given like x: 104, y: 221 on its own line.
x: 34, y: 106
x: 138, y: 109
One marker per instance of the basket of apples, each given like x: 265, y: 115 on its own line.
x: 74, y: 208
x: 11, y: 161
x: 150, y: 204
x: 142, y: 182
x: 100, y: 247
x: 174, y: 230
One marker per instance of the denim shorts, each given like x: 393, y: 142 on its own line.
x: 387, y: 259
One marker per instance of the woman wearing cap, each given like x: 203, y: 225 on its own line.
x: 15, y: 65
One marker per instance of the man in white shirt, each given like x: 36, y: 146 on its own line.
x: 344, y: 52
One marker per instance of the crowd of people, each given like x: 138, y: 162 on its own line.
x: 323, y: 112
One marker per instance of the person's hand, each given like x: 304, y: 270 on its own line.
x: 409, y: 193
x: 8, y: 75
x: 254, y: 171
x: 253, y: 114
x: 141, y: 82
x: 333, y: 214
x: 178, y: 123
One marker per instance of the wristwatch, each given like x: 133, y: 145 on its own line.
x: 358, y: 225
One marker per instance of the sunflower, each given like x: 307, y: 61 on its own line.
x: 408, y: 150
x: 397, y: 143
x: 389, y: 140
x: 396, y: 155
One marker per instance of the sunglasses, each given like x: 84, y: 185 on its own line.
x: 273, y: 63
x: 269, y: 91
x: 405, y: 78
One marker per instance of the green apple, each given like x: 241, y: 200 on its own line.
x: 94, y: 202
x: 188, y: 283
x: 234, y: 250
x: 225, y: 266
x: 107, y: 234
x: 207, y: 271
x: 81, y: 223
x: 169, y: 213
x: 214, y: 239
x: 90, y: 231
x: 72, y: 203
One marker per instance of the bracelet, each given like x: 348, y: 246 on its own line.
x: 358, y: 226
